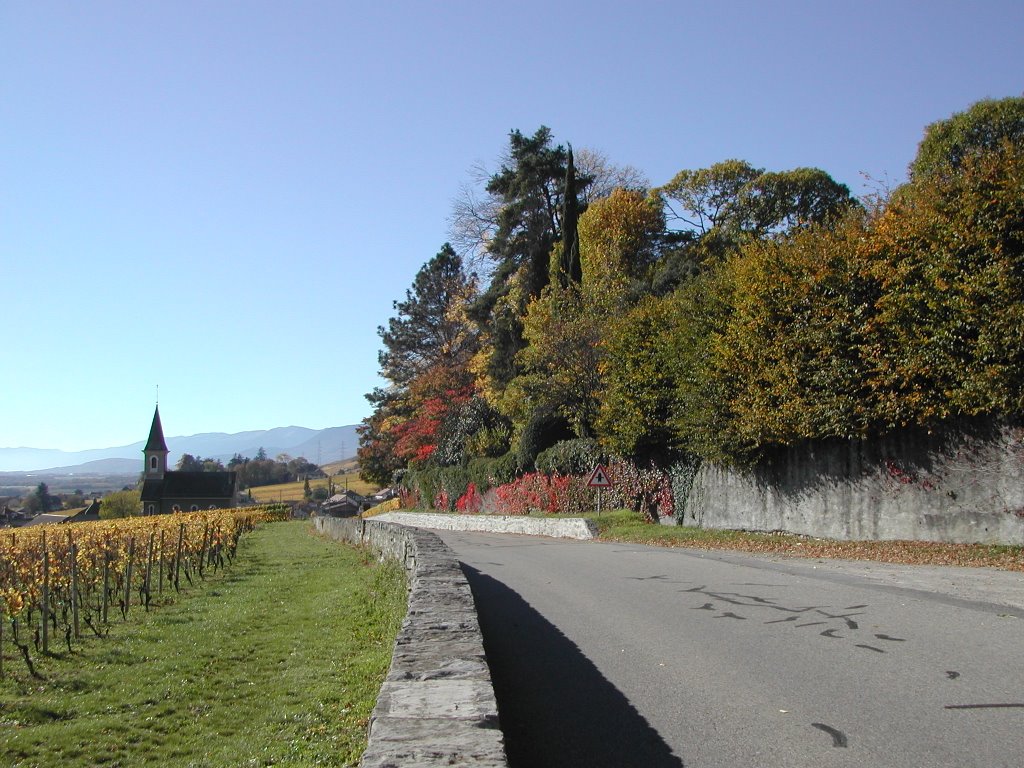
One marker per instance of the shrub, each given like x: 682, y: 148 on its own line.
x: 644, y: 490
x: 536, y: 492
x: 569, y: 457
x: 543, y: 430
x: 490, y: 473
x: 442, y: 501
x: 422, y: 487
x: 408, y: 498
x: 640, y: 375
x: 471, y: 428
x: 453, y: 481
x: 681, y: 476
x: 471, y: 502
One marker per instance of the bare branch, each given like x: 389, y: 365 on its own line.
x: 605, y: 175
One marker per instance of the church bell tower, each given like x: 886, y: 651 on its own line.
x: 156, y: 450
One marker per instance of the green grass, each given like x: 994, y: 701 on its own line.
x: 276, y: 662
x: 623, y: 525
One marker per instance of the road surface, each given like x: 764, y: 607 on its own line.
x: 622, y: 655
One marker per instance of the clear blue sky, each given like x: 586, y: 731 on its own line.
x: 224, y: 198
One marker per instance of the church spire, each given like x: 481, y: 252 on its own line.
x: 156, y: 448
x: 156, y: 434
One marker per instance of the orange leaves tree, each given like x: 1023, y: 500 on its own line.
x: 427, y: 348
x: 947, y: 338
x: 791, y: 358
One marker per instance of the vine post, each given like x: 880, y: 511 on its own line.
x: 128, y: 577
x: 74, y: 587
x: 149, y: 568
x: 202, y: 551
x: 105, y: 602
x: 44, y: 609
x: 177, y: 556
x: 160, y: 580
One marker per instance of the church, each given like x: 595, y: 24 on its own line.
x: 166, y: 491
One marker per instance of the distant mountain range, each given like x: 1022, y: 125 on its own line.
x: 321, y: 446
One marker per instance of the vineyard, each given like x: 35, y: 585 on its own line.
x: 57, y: 582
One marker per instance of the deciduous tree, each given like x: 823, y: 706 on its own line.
x: 639, y: 376
x: 121, y: 504
x: 619, y: 236
x: 948, y: 252
x: 707, y: 198
x: 561, y: 371
x: 980, y: 129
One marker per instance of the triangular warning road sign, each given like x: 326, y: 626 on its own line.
x: 599, y: 478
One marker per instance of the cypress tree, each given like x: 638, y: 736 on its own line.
x: 572, y: 268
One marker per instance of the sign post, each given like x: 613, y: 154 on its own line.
x: 599, y: 479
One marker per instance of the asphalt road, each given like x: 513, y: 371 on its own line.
x: 623, y: 655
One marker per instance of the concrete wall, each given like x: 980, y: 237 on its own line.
x: 565, y: 528
x: 437, y: 704
x: 963, y: 486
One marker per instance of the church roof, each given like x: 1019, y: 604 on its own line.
x: 156, y: 434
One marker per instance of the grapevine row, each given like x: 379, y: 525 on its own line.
x: 57, y: 582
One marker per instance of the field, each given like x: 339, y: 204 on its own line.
x: 276, y: 660
x: 348, y: 477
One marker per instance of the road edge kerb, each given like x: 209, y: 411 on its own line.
x: 437, y: 704
x: 560, y: 528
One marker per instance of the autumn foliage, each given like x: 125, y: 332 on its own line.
x: 716, y: 318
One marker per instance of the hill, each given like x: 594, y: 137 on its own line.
x: 318, y: 445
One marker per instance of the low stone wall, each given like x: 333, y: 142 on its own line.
x: 437, y: 704
x: 959, y: 486
x: 565, y: 528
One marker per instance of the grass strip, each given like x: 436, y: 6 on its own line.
x: 626, y: 526
x: 276, y: 662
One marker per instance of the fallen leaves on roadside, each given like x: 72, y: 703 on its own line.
x: 1008, y: 558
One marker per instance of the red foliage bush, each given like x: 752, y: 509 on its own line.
x: 442, y: 502
x: 408, y: 499
x: 471, y: 502
x: 644, y: 490
x: 536, y: 492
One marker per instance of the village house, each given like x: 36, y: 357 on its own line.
x: 344, y: 504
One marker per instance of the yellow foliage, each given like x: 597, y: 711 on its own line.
x: 615, y: 234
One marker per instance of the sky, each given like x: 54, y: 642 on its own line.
x: 224, y: 199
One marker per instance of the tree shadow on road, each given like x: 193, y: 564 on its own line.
x: 555, y: 706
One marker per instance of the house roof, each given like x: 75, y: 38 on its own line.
x: 86, y: 514
x: 190, y: 485
x: 156, y: 440
x: 346, y: 495
x: 46, y: 517
x: 344, y: 508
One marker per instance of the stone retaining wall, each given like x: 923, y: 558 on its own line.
x: 565, y: 528
x: 437, y: 704
x: 959, y: 486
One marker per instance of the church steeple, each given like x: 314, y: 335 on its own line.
x: 156, y: 449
